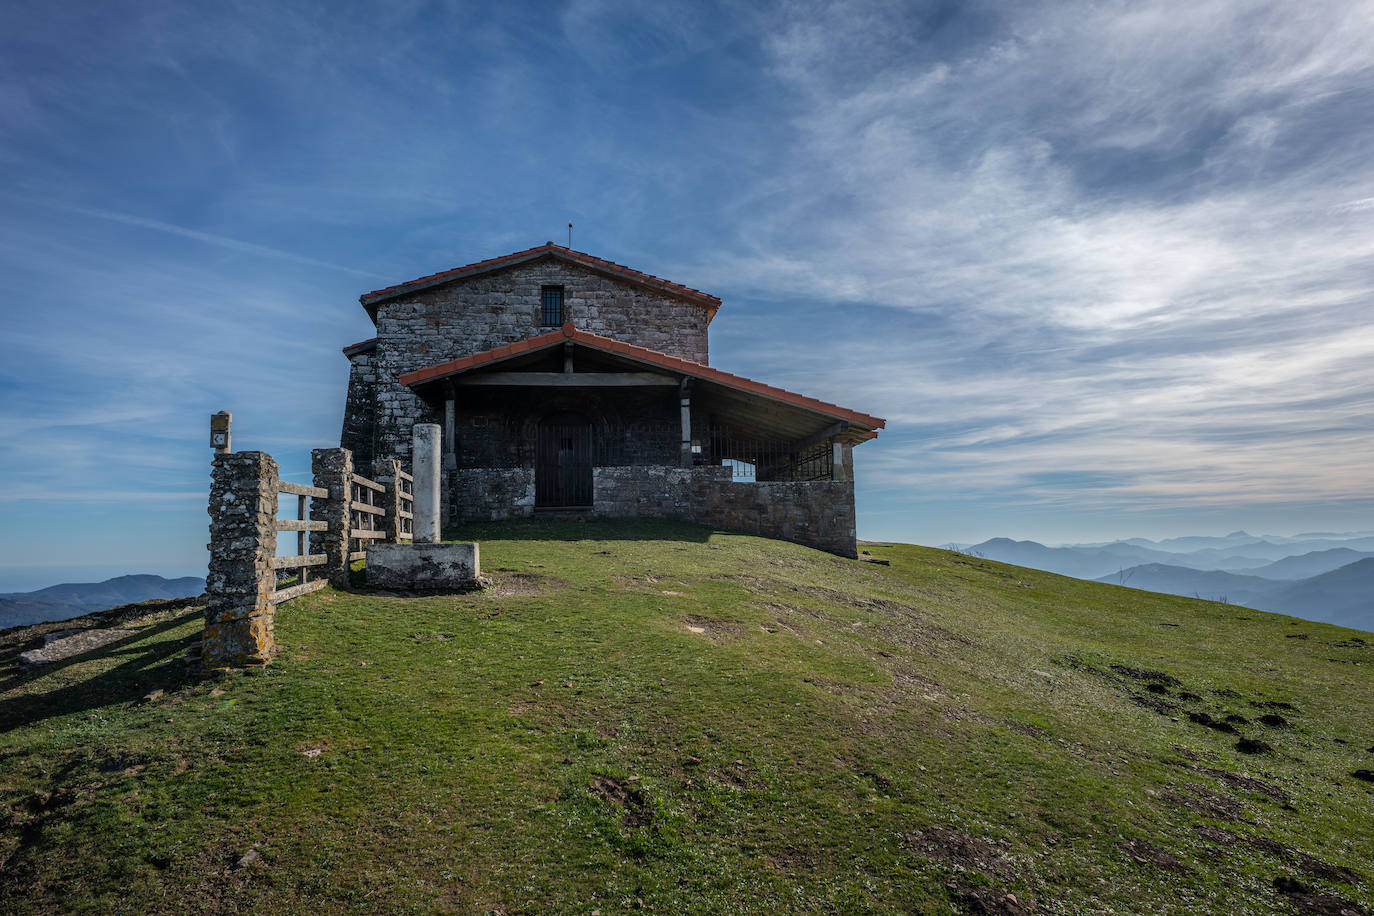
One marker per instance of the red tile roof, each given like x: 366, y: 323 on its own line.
x: 643, y: 354
x: 548, y: 249
x: 360, y: 346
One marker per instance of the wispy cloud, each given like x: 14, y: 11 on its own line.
x: 1135, y: 261
x: 212, y: 239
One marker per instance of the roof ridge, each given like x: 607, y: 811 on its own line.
x: 582, y: 257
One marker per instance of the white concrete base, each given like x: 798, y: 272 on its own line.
x: 423, y: 567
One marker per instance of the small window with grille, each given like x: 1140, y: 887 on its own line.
x: 551, y: 310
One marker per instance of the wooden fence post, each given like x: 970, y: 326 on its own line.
x: 243, y: 542
x: 333, y: 470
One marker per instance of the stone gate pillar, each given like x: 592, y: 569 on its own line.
x: 243, y: 541
x: 333, y: 471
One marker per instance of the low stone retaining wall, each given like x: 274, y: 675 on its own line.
x: 489, y: 494
x: 817, y: 513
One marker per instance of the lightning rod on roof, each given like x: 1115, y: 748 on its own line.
x: 569, y: 235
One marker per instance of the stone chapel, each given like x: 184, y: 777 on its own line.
x: 569, y: 386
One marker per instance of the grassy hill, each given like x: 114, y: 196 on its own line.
x: 658, y: 717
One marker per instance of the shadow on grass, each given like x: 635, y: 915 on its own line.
x: 124, y: 683
x: 611, y: 529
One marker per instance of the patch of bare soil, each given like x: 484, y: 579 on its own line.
x: 1254, y: 746
x: 1216, y: 835
x: 624, y: 794
x: 736, y: 775
x: 1306, y: 901
x: 839, y: 688
x: 1325, y: 871
x: 989, y: 901
x: 1249, y: 783
x: 792, y: 861
x: 509, y: 584
x: 1146, y: 853
x: 1141, y: 674
x: 1205, y: 720
x: 1307, y: 864
x: 953, y: 847
x: 1029, y: 730
x: 1204, y: 801
x: 710, y: 627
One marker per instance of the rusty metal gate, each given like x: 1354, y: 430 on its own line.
x: 563, y: 463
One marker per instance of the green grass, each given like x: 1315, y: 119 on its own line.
x: 567, y: 741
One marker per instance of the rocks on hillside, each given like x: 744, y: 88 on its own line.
x: 63, y: 644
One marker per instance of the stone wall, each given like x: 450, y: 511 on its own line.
x: 360, y: 408
x: 332, y: 470
x: 488, y: 494
x: 501, y: 307
x: 818, y: 514
x: 240, y: 581
x: 478, y: 313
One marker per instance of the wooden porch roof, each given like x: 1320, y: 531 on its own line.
x: 743, y: 399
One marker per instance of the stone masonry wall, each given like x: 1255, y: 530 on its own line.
x: 490, y: 310
x: 818, y: 514
x: 240, y: 581
x: 360, y: 410
x: 488, y: 494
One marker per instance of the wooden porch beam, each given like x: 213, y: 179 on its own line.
x: 567, y: 380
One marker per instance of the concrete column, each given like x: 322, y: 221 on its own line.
x: 424, y: 465
x: 685, y: 400
x: 333, y: 471
x: 450, y: 435
x: 240, y: 581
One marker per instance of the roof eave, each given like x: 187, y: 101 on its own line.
x: 865, y: 423
x: 370, y: 301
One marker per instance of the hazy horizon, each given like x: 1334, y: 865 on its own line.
x: 34, y: 577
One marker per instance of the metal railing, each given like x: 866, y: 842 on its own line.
x: 765, y: 459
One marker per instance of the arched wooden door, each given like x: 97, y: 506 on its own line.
x: 563, y: 462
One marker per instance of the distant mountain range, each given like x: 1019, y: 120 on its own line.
x: 1326, y: 576
x: 72, y: 599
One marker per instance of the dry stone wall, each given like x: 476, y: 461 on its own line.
x: 332, y: 469
x: 243, y: 541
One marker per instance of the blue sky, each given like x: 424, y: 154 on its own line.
x: 1107, y: 268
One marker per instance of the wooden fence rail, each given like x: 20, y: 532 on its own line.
x: 336, y: 519
x: 302, y: 561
